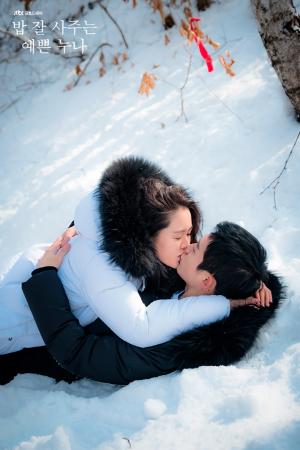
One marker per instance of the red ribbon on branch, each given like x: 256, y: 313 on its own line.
x: 203, y: 52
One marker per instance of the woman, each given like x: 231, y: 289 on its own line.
x: 122, y: 245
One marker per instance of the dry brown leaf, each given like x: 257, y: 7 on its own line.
x: 157, y: 5
x: 102, y: 72
x: 169, y: 22
x: 147, y: 83
x: 68, y: 86
x: 78, y: 70
x: 198, y: 32
x: 182, y: 30
x: 124, y: 56
x: 185, y: 31
x: 187, y: 12
x: 115, y: 60
x: 167, y: 39
x: 101, y: 57
x: 134, y: 3
x: 227, y: 65
x: 202, y: 5
x: 213, y: 43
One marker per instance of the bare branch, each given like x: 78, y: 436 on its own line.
x: 99, y: 2
x: 182, y: 113
x: 275, y: 182
x: 128, y: 441
x: 89, y: 61
x: 210, y: 90
x: 7, y: 106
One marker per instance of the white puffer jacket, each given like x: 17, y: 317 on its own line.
x: 97, y: 288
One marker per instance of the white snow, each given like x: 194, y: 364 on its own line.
x: 154, y: 408
x: 54, y: 147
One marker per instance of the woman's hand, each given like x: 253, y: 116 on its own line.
x: 264, y: 295
x: 54, y: 254
x: 262, y: 298
x: 68, y: 234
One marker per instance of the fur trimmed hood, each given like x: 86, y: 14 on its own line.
x: 124, y: 226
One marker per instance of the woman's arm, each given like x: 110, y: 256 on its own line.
x: 123, y: 311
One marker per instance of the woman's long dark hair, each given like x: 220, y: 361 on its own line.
x: 161, y: 200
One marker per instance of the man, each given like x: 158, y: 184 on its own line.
x: 230, y: 262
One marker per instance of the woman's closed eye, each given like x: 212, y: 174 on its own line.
x: 180, y: 237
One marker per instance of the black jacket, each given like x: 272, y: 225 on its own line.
x: 102, y: 357
x: 126, y: 239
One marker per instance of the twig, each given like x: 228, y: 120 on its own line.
x: 6, y: 107
x: 128, y: 441
x: 182, y: 113
x: 89, y: 61
x: 113, y: 20
x: 275, y: 182
x: 220, y: 100
x: 181, y: 88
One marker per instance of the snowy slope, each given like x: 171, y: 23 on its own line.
x: 54, y: 147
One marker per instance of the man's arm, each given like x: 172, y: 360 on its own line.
x: 102, y: 358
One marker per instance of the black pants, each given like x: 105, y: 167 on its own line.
x: 38, y: 360
x: 32, y: 360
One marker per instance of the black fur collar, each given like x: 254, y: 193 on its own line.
x: 125, y: 235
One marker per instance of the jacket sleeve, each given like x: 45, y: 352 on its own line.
x: 102, y: 358
x: 123, y: 311
x: 117, y: 302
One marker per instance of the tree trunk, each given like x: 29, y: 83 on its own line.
x: 279, y: 26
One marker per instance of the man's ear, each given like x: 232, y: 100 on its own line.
x: 208, y: 282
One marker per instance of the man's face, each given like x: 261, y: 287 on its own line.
x: 190, y: 260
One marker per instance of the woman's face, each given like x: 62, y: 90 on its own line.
x: 171, y: 242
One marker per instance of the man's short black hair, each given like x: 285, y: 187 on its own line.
x: 236, y: 259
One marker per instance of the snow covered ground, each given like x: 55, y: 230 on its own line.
x: 54, y: 147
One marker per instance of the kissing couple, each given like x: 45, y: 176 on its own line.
x: 130, y: 291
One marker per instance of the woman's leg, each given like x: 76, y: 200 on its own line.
x: 32, y: 360
x: 17, y: 326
